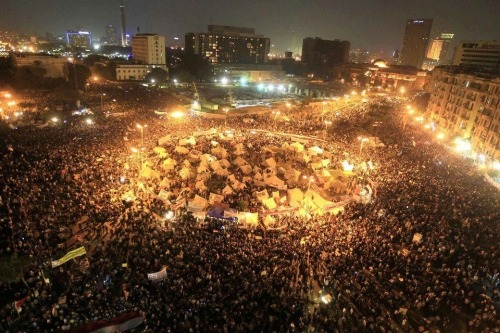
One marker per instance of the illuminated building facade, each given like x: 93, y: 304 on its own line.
x: 481, y: 55
x: 149, y: 49
x: 229, y: 45
x: 467, y: 104
x: 415, y: 40
x: 321, y: 55
x: 81, y: 39
x: 438, y: 49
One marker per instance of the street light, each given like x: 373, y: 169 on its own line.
x: 276, y: 115
x: 310, y: 180
x: 362, y: 141
x: 225, y: 118
x: 141, y: 127
x: 102, y: 101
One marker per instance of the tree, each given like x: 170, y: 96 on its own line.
x: 158, y: 75
x: 82, y: 74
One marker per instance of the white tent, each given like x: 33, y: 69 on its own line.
x: 184, y: 173
x: 219, y: 152
x: 200, y: 185
x: 215, y: 165
x: 227, y: 190
x: 269, y: 203
x: 181, y: 150
x: 274, y: 181
x: 239, y: 161
x: 225, y: 163
x: 190, y: 140
x: 295, y: 197
x: 197, y: 204
x: 222, y: 172
x: 238, y: 149
x: 246, y: 169
x: 270, y: 162
x: 315, y: 150
x: 202, y: 168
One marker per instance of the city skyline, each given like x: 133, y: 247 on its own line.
x: 366, y: 24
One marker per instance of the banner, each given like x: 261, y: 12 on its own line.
x: 158, y: 276
x: 70, y: 255
x: 123, y: 322
x: 207, y: 132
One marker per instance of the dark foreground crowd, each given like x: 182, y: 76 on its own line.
x: 240, y: 280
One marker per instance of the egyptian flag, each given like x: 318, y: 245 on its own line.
x: 124, y: 322
x: 17, y: 304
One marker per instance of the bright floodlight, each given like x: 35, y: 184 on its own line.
x: 260, y: 86
x: 496, y: 165
x: 243, y: 81
x: 270, y: 87
x: 462, y: 146
x: 177, y: 114
x: 440, y: 136
x: 347, y: 166
x: 169, y: 215
x: 224, y: 80
x: 89, y: 121
x: 54, y: 119
x: 7, y: 95
x: 175, y: 80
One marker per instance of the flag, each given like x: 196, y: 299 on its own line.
x: 138, y: 29
x: 17, y: 304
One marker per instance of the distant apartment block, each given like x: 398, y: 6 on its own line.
x: 482, y: 55
x: 81, y: 39
x: 467, y: 104
x: 229, y: 45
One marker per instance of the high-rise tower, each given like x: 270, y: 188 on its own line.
x: 415, y: 42
x: 124, y: 34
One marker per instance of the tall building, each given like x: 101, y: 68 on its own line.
x: 81, y: 39
x: 483, y: 55
x: 111, y: 35
x: 438, y: 48
x: 415, y: 42
x: 149, y: 49
x: 321, y: 55
x: 124, y: 32
x: 229, y: 45
x: 467, y: 104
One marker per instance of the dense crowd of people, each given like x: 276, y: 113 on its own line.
x: 359, y: 271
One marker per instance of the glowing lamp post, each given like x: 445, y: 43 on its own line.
x: 102, y: 100
x: 362, y: 141
x: 141, y: 128
x: 276, y: 115
x: 226, y: 110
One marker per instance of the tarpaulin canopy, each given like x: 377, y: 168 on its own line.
x: 269, y: 203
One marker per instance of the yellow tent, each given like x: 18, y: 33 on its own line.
x: 269, y: 203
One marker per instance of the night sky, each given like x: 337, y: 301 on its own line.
x: 368, y: 24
